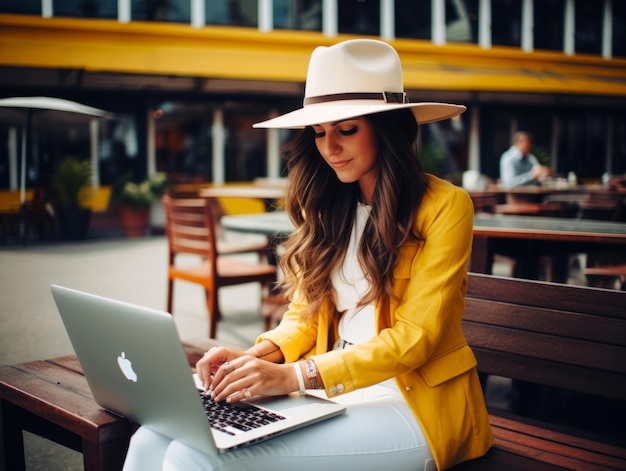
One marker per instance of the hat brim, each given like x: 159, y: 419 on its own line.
x: 336, y: 111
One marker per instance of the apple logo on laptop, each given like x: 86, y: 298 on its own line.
x: 127, y: 367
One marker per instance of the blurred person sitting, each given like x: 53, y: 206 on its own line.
x: 518, y: 167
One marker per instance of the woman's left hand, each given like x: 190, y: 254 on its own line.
x: 242, y: 376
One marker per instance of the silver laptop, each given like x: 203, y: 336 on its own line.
x: 136, y: 366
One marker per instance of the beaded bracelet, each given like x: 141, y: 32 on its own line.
x: 311, y: 372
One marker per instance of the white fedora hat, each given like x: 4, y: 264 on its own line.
x: 355, y: 78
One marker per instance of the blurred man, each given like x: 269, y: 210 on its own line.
x: 518, y: 166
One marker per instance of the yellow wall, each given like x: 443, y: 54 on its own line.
x: 247, y: 54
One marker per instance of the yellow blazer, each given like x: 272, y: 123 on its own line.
x: 420, y: 341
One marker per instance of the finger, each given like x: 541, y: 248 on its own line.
x: 202, y: 367
x: 239, y: 392
x: 220, y: 380
x: 245, y: 393
x: 230, y: 384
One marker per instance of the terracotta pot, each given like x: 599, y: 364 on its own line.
x: 134, y: 222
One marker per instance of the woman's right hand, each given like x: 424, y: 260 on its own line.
x: 212, y: 360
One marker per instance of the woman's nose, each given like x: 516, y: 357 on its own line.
x: 329, y: 146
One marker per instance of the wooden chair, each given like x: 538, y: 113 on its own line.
x: 190, y: 229
x: 228, y: 242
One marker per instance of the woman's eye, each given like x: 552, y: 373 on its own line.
x: 318, y: 134
x: 348, y: 132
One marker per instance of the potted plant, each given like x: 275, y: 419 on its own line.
x: 135, y: 201
x: 70, y: 183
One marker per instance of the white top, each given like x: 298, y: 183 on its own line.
x: 357, y: 325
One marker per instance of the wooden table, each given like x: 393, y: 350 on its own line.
x: 51, y: 398
x: 525, y: 238
x: 274, y: 223
x: 528, y: 238
x: 244, y: 191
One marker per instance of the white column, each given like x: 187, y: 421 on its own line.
x: 219, y: 142
x: 151, y: 142
x: 568, y: 30
x: 273, y: 153
x: 46, y: 8
x: 387, y: 20
x: 198, y: 15
x: 266, y: 16
x: 527, y: 26
x: 94, y: 134
x: 484, y: 24
x: 123, y: 11
x: 438, y: 22
x: 607, y: 30
x: 473, y: 158
x: 330, y: 25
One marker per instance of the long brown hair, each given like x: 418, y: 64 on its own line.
x: 323, y: 209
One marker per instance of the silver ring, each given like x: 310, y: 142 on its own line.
x: 227, y: 367
x: 247, y: 394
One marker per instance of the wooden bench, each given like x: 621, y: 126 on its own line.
x: 567, y: 341
x: 51, y: 399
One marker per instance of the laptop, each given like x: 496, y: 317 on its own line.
x: 136, y: 366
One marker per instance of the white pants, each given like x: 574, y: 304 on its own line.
x: 377, y: 432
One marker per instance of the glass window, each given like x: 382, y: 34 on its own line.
x: 582, y: 143
x: 618, y: 159
x: 232, y: 12
x: 413, y: 19
x: 549, y: 18
x: 175, y: 11
x: 25, y: 7
x: 184, y: 140
x: 359, y: 17
x: 86, y: 8
x: 619, y: 29
x: 245, y: 152
x: 302, y: 15
x: 588, y: 27
x: 506, y: 22
x: 462, y: 20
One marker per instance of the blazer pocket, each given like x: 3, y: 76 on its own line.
x: 447, y: 366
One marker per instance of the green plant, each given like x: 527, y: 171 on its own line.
x: 71, y: 178
x: 142, y: 194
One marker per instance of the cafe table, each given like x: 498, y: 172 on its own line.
x: 525, y: 238
x: 244, y: 191
x: 269, y: 192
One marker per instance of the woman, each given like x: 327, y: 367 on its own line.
x: 376, y: 272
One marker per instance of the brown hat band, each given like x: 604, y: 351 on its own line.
x: 388, y: 97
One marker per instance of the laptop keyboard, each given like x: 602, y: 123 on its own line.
x: 236, y: 418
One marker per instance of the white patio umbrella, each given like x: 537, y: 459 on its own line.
x: 30, y: 105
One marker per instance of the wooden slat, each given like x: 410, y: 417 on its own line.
x: 547, y: 347
x: 581, y: 326
x: 596, y: 301
x: 503, y: 423
x: 596, y: 382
